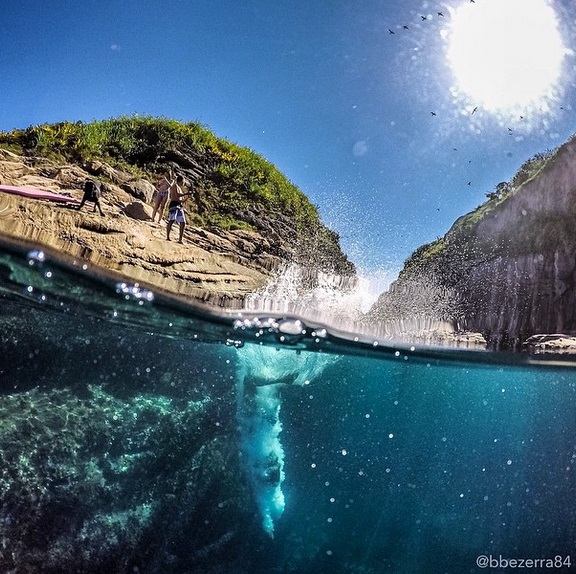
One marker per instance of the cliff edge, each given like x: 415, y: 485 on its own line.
x: 508, y: 268
x: 244, y: 217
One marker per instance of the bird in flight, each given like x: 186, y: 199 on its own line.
x: 390, y: 31
x: 405, y: 27
x: 440, y: 14
x: 432, y: 113
x: 474, y: 110
x: 424, y: 17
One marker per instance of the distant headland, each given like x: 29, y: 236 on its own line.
x: 508, y: 268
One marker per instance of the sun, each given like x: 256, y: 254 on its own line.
x: 505, y: 54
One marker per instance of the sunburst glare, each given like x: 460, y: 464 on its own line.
x: 505, y: 56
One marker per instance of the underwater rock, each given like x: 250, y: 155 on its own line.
x: 86, y: 481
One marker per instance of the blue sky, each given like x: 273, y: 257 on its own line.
x: 321, y: 88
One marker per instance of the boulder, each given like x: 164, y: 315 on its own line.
x: 140, y: 189
x: 101, y: 169
x: 138, y: 210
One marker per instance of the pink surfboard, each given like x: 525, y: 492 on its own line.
x: 35, y: 193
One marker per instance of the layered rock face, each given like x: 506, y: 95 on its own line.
x: 215, y: 265
x: 508, y: 269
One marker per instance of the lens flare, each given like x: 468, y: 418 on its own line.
x: 505, y: 54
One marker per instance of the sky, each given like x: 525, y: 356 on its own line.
x: 388, y: 114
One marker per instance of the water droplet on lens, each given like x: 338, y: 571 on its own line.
x: 291, y: 327
x: 134, y: 292
x: 36, y: 256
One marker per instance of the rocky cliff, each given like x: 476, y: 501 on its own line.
x: 244, y: 218
x: 507, y: 269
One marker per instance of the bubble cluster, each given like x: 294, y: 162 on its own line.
x: 134, y: 292
x: 289, y: 331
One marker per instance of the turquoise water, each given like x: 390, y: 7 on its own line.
x: 138, y: 434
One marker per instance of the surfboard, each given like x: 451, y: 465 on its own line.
x: 35, y: 193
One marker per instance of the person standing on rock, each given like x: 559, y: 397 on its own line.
x: 162, y: 192
x: 175, y: 208
x: 91, y: 193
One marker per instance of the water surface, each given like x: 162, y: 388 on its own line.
x: 141, y: 434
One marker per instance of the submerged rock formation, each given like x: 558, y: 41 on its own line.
x: 507, y: 269
x: 117, y: 454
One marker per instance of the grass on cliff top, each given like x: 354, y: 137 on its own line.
x: 529, y: 170
x: 463, y: 228
x: 143, y: 142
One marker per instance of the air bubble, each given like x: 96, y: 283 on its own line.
x: 134, y: 292
x: 36, y: 256
x: 291, y: 327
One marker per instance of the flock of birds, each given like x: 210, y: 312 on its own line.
x: 440, y: 14
x: 424, y: 18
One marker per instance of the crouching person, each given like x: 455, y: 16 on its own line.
x: 92, y: 193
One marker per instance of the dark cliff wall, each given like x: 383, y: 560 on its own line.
x: 508, y: 269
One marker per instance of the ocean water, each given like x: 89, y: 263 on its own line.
x: 139, y: 434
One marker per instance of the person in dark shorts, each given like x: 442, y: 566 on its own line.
x: 92, y: 193
x: 176, y: 209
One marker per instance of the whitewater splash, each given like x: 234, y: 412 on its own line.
x: 338, y: 300
x: 262, y: 372
x: 364, y: 304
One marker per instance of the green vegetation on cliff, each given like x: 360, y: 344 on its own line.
x: 460, y: 242
x: 235, y: 187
